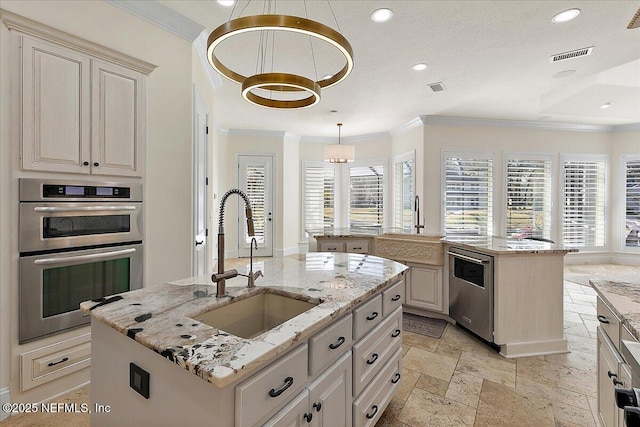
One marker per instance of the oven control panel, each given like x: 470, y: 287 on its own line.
x: 91, y: 191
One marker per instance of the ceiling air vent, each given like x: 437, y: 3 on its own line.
x: 573, y: 54
x: 436, y: 87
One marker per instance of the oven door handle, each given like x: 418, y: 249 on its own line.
x: 468, y: 258
x: 83, y: 208
x: 89, y: 257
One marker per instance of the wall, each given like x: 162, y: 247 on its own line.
x: 168, y: 155
x: 291, y: 197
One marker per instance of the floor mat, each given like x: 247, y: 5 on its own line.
x: 423, y: 325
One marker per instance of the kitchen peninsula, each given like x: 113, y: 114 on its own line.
x: 338, y: 361
x: 522, y: 301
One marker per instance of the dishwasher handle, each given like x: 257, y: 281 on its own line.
x: 468, y: 258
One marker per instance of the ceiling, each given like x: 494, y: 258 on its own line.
x: 493, y: 58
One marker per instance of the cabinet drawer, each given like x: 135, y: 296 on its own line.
x: 357, y: 246
x: 392, y: 298
x: 373, y: 351
x: 366, y: 316
x: 368, y: 408
x: 271, y: 388
x: 609, y: 323
x: 330, y: 246
x: 327, y: 345
x: 54, y: 361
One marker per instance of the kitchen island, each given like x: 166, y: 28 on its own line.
x: 526, y: 305
x: 153, y: 363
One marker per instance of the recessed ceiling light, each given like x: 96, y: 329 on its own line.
x: 562, y: 74
x: 226, y: 3
x: 419, y: 67
x: 381, y: 15
x: 606, y: 105
x: 565, y: 16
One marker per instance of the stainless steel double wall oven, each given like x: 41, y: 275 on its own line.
x: 78, y: 241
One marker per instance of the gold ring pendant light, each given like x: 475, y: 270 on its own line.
x: 280, y: 82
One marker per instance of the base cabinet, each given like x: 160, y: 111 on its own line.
x: 609, y: 373
x: 325, y: 403
x: 424, y: 287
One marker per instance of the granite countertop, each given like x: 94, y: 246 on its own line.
x: 624, y: 300
x: 361, y: 232
x: 161, y: 317
x: 506, y: 246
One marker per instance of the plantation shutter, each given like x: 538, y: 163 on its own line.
x: 632, y: 222
x: 584, y: 203
x: 468, y: 200
x: 403, y: 195
x: 255, y: 176
x: 529, y: 198
x: 319, y: 197
x: 366, y: 196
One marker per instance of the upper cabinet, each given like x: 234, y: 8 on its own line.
x: 83, y: 105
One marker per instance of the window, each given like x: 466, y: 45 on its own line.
x: 319, y: 195
x: 337, y: 196
x: 632, y: 217
x: 403, y: 191
x: 255, y: 178
x: 528, y: 201
x: 468, y: 195
x: 583, y: 211
x: 366, y: 196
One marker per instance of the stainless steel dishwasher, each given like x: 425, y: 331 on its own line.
x: 471, y: 291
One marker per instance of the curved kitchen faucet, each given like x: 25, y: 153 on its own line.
x: 222, y: 275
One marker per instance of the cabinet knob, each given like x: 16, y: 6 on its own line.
x: 96, y: 164
x: 616, y: 382
x: 308, y: 417
x: 317, y: 406
x: 85, y: 163
x: 611, y: 374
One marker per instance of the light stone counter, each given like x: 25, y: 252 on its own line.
x: 160, y: 317
x: 624, y: 300
x: 506, y: 246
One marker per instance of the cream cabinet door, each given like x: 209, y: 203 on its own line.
x: 608, y: 370
x: 330, y: 395
x: 55, y: 108
x: 424, y: 287
x: 118, y: 120
x: 294, y: 414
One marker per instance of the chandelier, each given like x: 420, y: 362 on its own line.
x: 305, y: 90
x: 338, y: 153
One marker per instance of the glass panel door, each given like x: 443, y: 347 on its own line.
x: 255, y: 179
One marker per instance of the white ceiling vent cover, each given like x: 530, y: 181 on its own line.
x: 571, y: 55
x: 436, y: 87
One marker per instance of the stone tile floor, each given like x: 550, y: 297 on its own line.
x: 457, y: 380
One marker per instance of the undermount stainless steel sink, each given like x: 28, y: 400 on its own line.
x: 252, y: 316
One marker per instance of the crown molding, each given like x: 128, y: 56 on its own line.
x: 345, y: 139
x: 19, y: 23
x: 626, y: 128
x: 472, y: 121
x: 161, y: 16
x: 413, y: 123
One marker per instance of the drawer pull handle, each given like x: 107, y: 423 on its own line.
x: 317, y: 406
x: 287, y: 383
x: 395, y: 333
x: 616, y: 382
x: 373, y: 414
x: 58, y: 362
x: 332, y: 249
x: 373, y: 315
x: 308, y: 417
x: 396, y: 298
x: 611, y: 374
x: 373, y: 359
x: 396, y: 378
x: 337, y: 343
x: 357, y: 249
x: 602, y: 319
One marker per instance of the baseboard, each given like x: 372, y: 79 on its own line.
x: 534, y: 348
x: 4, y: 398
x: 626, y: 258
x: 588, y: 258
x: 287, y: 251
